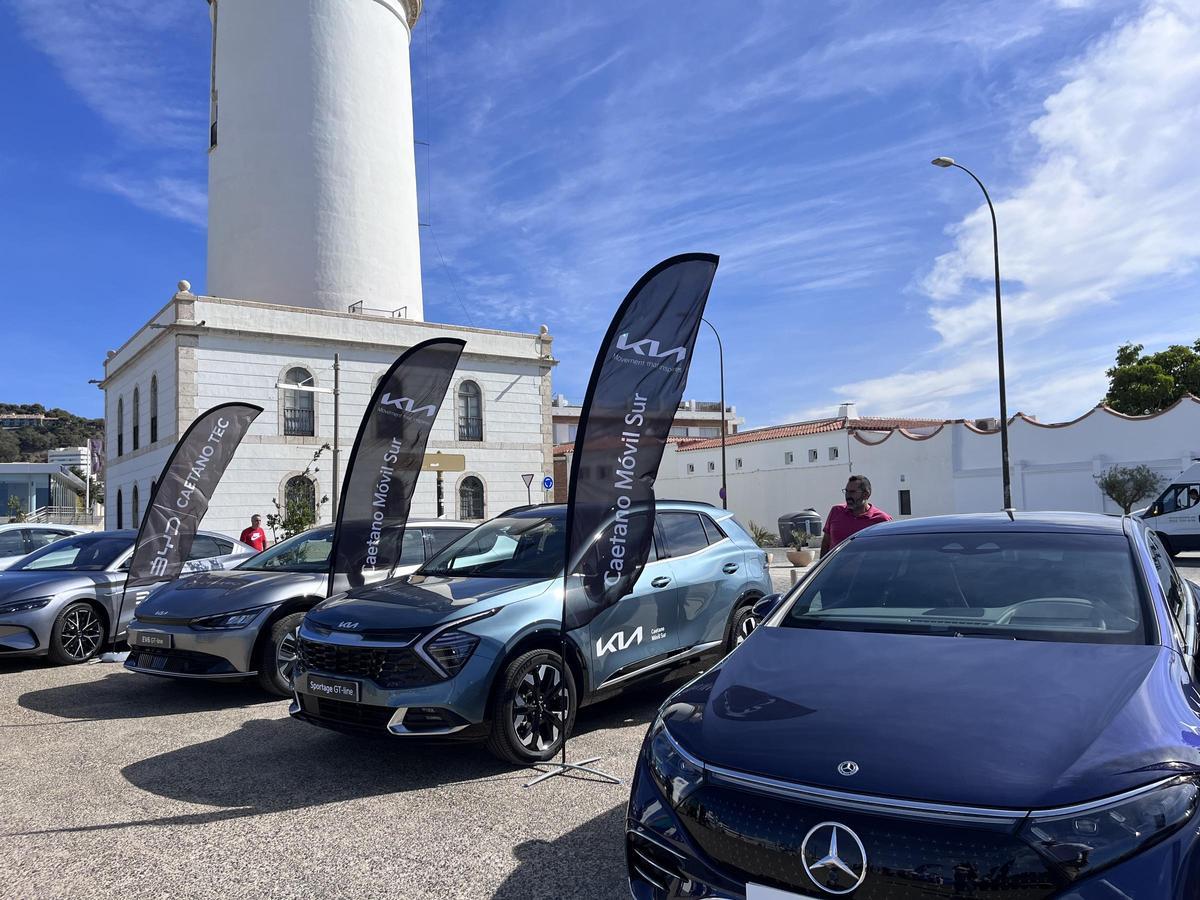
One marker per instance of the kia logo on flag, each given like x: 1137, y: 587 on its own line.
x: 406, y: 404
x: 649, y: 347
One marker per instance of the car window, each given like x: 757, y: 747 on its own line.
x: 40, y: 537
x: 1168, y: 578
x: 712, y: 530
x: 1011, y: 585
x: 441, y: 538
x: 506, y: 547
x: 683, y: 533
x: 85, y: 552
x: 412, y: 548
x: 224, y: 548
x: 11, y: 543
x: 1176, y: 498
x: 203, y: 547
x: 305, y: 552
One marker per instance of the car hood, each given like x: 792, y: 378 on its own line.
x: 965, y: 721
x: 212, y: 593
x: 21, y: 585
x: 415, y: 601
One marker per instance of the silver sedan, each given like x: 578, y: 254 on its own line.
x: 242, y: 624
x: 64, y: 601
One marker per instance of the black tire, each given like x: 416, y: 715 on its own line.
x: 77, y: 635
x: 277, y: 655
x: 526, y: 716
x: 743, y: 623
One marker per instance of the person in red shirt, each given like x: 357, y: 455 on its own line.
x: 254, y: 535
x: 852, y: 516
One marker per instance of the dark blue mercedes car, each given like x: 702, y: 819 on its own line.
x: 991, y: 707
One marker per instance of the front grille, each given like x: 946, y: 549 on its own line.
x: 649, y: 862
x: 179, y: 662
x: 759, y: 838
x: 345, y: 715
x: 389, y: 667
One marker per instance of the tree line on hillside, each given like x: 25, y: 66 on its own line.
x: 29, y: 444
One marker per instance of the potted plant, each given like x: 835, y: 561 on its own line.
x: 800, y: 555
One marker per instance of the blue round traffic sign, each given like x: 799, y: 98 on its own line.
x: 547, y: 483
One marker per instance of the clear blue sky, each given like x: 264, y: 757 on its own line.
x: 574, y: 144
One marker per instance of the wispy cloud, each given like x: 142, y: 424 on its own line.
x: 123, y: 59
x: 1110, y: 205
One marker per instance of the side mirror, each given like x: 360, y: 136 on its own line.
x: 766, y: 606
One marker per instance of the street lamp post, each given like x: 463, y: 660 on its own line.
x: 945, y: 162
x: 721, y: 361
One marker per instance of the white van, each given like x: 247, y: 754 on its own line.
x: 1175, y: 515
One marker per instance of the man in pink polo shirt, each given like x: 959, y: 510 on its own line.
x: 852, y: 516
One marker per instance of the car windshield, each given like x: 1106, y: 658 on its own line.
x: 306, y: 552
x: 1028, y: 586
x: 83, y: 553
x: 507, y: 547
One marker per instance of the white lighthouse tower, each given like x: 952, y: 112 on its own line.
x: 314, y: 285
x: 312, y: 180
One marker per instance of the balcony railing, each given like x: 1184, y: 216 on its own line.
x: 470, y: 428
x: 298, y: 422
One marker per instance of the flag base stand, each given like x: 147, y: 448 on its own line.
x: 565, y: 768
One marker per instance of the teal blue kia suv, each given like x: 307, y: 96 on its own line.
x: 469, y: 646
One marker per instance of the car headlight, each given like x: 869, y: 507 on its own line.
x: 451, y: 650
x: 24, y: 605
x: 675, y: 772
x: 1082, y: 843
x: 239, y: 619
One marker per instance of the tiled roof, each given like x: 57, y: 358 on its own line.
x: 569, y: 447
x: 820, y: 426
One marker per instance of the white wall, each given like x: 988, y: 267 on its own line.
x: 956, y: 470
x: 147, y: 358
x: 244, y: 349
x: 312, y: 196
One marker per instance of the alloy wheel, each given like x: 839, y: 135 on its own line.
x: 285, y: 655
x: 539, y: 708
x: 746, y: 626
x: 81, y: 633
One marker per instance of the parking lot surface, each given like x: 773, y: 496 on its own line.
x: 117, y: 783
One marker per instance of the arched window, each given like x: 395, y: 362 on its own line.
x: 137, y: 415
x: 120, y: 510
x: 300, y: 499
x: 120, y: 428
x: 135, y: 517
x: 470, y: 498
x: 470, y: 412
x: 298, y: 405
x: 153, y: 408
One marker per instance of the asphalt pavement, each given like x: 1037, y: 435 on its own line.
x: 116, y: 783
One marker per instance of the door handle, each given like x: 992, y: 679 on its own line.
x: 729, y: 568
x: 660, y: 581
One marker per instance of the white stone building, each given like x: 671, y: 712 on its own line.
x: 925, y: 468
x: 313, y: 250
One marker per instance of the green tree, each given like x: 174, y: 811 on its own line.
x: 1143, y: 383
x: 15, y: 511
x: 297, y: 514
x: 10, y: 447
x: 1126, y: 485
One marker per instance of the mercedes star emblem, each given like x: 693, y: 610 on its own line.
x: 849, y: 767
x: 837, y: 869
